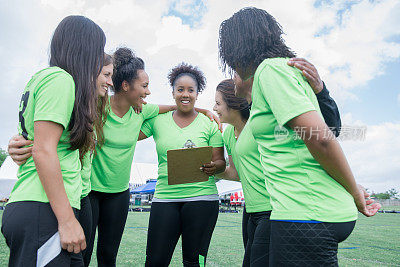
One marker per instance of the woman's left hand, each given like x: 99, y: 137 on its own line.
x: 138, y: 109
x: 209, y: 168
x: 215, y: 118
x: 364, y: 204
x: 309, y: 71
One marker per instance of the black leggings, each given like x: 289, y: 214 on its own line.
x: 307, y: 244
x: 109, y: 212
x: 245, y: 220
x: 31, y: 229
x: 85, y: 219
x: 195, y: 221
x: 259, y: 231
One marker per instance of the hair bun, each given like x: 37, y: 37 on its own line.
x: 123, y: 56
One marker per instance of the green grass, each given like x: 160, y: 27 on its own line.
x: 374, y: 242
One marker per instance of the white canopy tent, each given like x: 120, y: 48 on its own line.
x: 227, y: 187
x: 8, y: 177
x: 140, y: 174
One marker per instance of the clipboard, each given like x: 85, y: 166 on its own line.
x: 184, y: 164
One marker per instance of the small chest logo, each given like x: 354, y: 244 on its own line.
x: 189, y: 144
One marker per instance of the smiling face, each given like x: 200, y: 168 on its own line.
x: 138, y: 89
x: 221, y: 108
x: 104, y: 81
x: 242, y: 88
x: 185, y: 93
x: 225, y: 113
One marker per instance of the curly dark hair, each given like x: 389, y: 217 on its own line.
x: 187, y: 69
x: 126, y: 66
x: 248, y: 37
x: 227, y: 90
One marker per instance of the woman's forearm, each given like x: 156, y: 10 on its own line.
x: 49, y: 171
x: 325, y: 149
x: 331, y: 157
x: 229, y: 174
x: 220, y: 165
x: 166, y: 108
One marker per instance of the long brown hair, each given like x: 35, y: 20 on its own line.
x: 77, y: 46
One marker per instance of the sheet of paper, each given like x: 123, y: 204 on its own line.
x: 184, y: 164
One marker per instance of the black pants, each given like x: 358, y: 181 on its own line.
x: 259, y: 231
x: 85, y: 219
x: 307, y: 244
x: 109, y: 212
x: 195, y: 221
x: 31, y: 229
x: 245, y: 220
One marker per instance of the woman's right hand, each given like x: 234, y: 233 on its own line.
x: 17, y: 151
x: 364, y: 204
x: 71, y: 235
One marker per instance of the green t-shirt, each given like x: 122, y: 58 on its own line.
x: 48, y: 96
x: 245, y: 156
x: 300, y: 188
x: 168, y: 135
x: 85, y: 173
x: 111, y: 167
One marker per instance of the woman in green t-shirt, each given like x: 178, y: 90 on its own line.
x: 313, y: 191
x: 189, y: 210
x: 39, y: 221
x: 20, y: 155
x: 244, y: 157
x: 111, y: 166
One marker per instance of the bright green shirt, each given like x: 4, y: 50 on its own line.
x: 168, y: 135
x: 48, y: 96
x: 85, y: 173
x: 111, y: 167
x: 246, y: 158
x: 300, y: 188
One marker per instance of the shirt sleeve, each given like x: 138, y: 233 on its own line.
x: 329, y: 111
x: 226, y: 139
x: 150, y: 111
x: 215, y: 136
x: 285, y: 95
x: 147, y: 127
x: 55, y: 99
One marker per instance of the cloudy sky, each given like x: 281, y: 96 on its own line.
x: 354, y: 44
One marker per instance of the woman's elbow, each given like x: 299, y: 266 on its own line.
x: 41, y: 152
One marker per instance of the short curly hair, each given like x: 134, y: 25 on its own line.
x: 248, y: 37
x: 183, y: 69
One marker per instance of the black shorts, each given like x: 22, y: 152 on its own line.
x: 31, y: 232
x: 306, y: 244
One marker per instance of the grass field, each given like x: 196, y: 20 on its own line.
x: 374, y: 242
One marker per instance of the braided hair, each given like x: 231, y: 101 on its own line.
x: 248, y: 37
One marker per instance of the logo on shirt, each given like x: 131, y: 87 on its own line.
x: 280, y: 133
x: 189, y: 144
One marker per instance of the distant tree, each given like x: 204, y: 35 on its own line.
x: 3, y: 156
x: 381, y: 195
x: 393, y: 193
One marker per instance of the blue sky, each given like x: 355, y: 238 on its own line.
x: 378, y: 100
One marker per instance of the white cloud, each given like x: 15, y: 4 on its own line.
x: 375, y: 161
x: 351, y: 48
